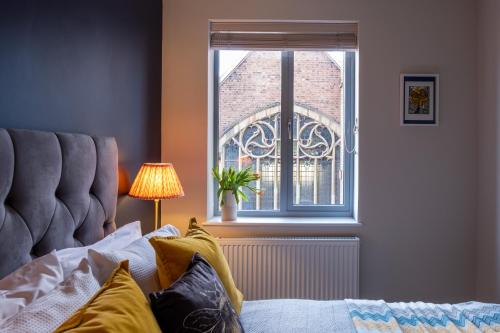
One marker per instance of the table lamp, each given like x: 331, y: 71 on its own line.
x: 156, y: 181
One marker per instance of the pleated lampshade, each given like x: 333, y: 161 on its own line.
x: 156, y: 181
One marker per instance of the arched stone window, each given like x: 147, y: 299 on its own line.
x: 255, y: 142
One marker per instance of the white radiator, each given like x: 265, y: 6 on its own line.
x: 312, y: 268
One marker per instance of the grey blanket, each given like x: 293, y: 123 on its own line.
x: 296, y: 316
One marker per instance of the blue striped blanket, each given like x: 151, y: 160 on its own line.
x: 379, y: 316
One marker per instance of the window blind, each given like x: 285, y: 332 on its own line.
x: 253, y: 35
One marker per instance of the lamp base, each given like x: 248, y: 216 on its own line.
x: 157, y: 218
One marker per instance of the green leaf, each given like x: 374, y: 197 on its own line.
x: 236, y: 197
x: 243, y: 195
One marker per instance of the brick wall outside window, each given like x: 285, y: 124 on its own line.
x: 255, y: 84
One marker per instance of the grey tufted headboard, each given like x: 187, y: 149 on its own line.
x: 57, y: 190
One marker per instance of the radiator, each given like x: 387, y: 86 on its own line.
x: 311, y: 268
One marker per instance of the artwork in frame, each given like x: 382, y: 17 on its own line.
x: 419, y: 99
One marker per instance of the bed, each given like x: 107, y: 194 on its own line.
x: 59, y: 191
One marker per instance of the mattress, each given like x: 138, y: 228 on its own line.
x: 294, y: 316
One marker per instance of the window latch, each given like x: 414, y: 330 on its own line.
x: 289, y: 130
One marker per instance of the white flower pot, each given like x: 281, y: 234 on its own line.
x: 230, y: 207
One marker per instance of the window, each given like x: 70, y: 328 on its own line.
x: 288, y: 115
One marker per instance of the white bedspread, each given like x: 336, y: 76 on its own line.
x: 296, y: 316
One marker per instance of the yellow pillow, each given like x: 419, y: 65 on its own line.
x: 173, y: 255
x: 119, y: 306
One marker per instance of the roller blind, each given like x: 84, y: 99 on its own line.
x: 283, y: 35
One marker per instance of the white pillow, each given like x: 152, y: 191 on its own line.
x: 71, y: 257
x: 48, y: 312
x: 31, y: 281
x: 141, y: 257
x: 165, y: 231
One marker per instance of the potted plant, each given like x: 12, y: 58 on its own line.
x: 229, y: 193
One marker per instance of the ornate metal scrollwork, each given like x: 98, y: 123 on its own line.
x: 255, y: 141
x: 314, y: 140
x: 260, y: 138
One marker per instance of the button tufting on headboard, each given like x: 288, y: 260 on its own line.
x: 57, y: 190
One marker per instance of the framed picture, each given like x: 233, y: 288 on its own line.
x: 419, y: 99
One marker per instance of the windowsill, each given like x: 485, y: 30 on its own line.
x: 285, y: 221
x: 283, y: 226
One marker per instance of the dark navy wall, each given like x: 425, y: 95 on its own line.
x: 89, y: 66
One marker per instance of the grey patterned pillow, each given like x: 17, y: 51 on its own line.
x: 196, y: 302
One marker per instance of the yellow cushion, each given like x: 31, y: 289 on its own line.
x: 119, y: 306
x: 173, y: 255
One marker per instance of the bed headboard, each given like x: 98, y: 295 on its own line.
x: 57, y: 190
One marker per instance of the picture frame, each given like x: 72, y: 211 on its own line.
x: 419, y: 99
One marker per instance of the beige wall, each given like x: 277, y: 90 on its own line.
x: 417, y: 193
x: 488, y: 241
